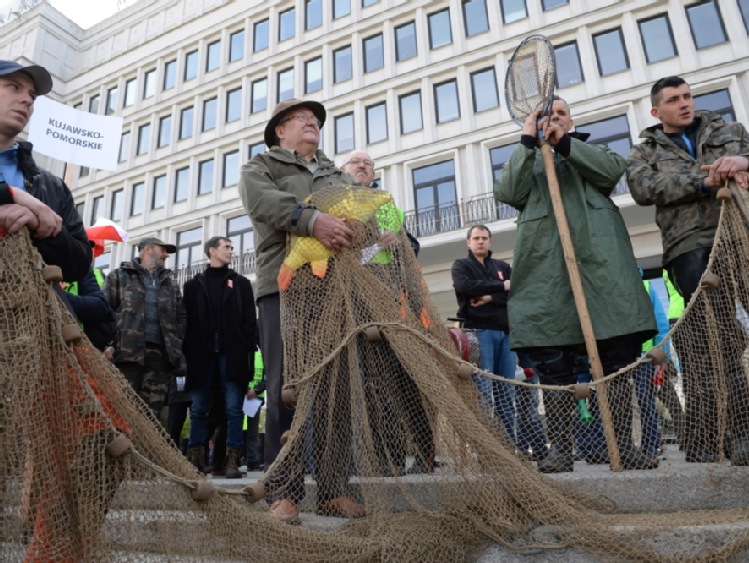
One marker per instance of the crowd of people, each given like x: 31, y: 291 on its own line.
x: 197, y: 348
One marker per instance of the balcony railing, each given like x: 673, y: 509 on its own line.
x: 244, y: 264
x: 424, y: 222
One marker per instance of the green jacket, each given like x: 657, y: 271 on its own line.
x: 124, y: 289
x: 273, y: 187
x: 541, y: 306
x: 662, y: 174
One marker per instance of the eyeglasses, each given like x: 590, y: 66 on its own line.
x: 305, y: 118
x: 358, y: 161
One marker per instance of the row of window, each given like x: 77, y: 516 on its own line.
x: 705, y: 20
x: 434, y: 185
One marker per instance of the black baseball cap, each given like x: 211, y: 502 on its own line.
x: 39, y: 75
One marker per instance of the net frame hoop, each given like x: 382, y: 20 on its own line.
x: 551, y: 73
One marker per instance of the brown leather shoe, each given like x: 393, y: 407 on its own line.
x: 284, y: 510
x: 342, y: 507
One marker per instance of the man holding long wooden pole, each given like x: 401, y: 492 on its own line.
x: 544, y: 320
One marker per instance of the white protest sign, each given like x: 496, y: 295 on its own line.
x: 75, y: 136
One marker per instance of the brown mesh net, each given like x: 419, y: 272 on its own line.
x: 88, y: 475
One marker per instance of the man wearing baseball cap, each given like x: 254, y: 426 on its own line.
x: 150, y: 321
x: 273, y: 187
x: 30, y: 196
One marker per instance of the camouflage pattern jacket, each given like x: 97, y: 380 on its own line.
x: 662, y: 174
x: 125, y: 291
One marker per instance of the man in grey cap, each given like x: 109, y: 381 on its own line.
x: 273, y: 187
x: 30, y: 196
x: 150, y: 321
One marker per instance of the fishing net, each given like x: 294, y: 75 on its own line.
x: 386, y: 414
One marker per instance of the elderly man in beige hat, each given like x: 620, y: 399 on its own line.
x: 273, y: 187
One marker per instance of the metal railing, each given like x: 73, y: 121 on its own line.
x: 424, y: 222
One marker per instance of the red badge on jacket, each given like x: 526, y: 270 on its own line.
x: 230, y: 284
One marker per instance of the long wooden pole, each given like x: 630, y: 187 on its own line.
x: 596, y: 369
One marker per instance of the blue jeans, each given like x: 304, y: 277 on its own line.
x: 496, y: 357
x: 651, y: 437
x: 201, y: 402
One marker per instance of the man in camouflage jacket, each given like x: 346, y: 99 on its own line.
x: 678, y: 168
x: 150, y: 321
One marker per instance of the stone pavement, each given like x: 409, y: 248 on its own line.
x: 674, y: 485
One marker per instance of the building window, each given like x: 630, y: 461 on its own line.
x: 165, y: 131
x: 344, y: 133
x: 233, y: 105
x: 261, y: 36
x: 256, y: 149
x: 149, y: 83
x: 170, y: 74
x: 117, y: 205
x: 485, y: 93
x: 367, y: 3
x: 475, y: 17
x: 719, y: 102
x: 96, y: 209
x: 377, y: 123
x: 181, y: 184
x: 610, y: 51
x: 189, y: 247
x: 259, y: 95
x: 236, y: 46
x: 93, y: 104
x: 111, y: 101
x: 342, y: 64
x: 612, y: 133
x: 124, y: 153
x: 447, y: 106
x: 405, y: 41
x: 374, y: 56
x: 513, y: 10
x: 706, y: 24
x: 159, y: 192
x: 569, y: 70
x: 657, y: 38
x: 341, y: 8
x: 209, y: 114
x: 144, y: 139
x: 744, y: 7
x: 313, y: 75
x: 191, y: 65
x: 83, y: 171
x: 205, y: 177
x: 231, y: 169
x: 549, y: 4
x: 80, y: 208
x: 239, y: 230
x: 130, y: 87
x: 410, y: 107
x: 286, y: 27
x: 436, y: 201
x: 440, y: 33
x: 498, y: 157
x: 313, y: 14
x: 186, y: 122
x: 213, y: 56
x: 285, y: 84
x: 138, y: 201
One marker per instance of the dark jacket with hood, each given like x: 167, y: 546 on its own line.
x: 70, y: 249
x: 472, y: 279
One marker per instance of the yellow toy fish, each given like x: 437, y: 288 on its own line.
x: 346, y: 202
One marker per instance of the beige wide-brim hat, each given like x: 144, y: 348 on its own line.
x: 285, y: 107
